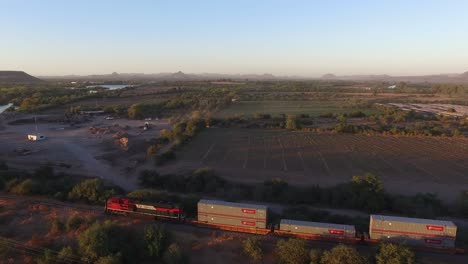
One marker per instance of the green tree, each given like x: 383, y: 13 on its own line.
x: 253, y: 248
x: 157, y: 240
x: 394, y: 254
x: 108, y: 239
x: 292, y: 122
x: 368, y: 192
x: 193, y: 127
x: 92, y: 191
x: 292, y: 251
x: 342, y: 254
x: 135, y: 111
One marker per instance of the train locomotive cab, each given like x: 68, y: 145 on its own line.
x: 160, y: 210
x: 119, y: 205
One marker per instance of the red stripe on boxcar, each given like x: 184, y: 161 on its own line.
x: 336, y: 232
x: 432, y: 241
x: 233, y: 216
x: 248, y: 223
x: 435, y: 228
x: 248, y: 211
x: 409, y: 233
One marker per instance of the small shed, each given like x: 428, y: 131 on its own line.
x: 36, y: 137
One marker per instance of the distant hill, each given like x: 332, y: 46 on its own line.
x: 435, y: 78
x: 177, y: 76
x: 20, y: 77
x: 329, y: 76
x: 181, y: 76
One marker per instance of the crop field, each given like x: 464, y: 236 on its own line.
x: 313, y: 108
x: 405, y: 164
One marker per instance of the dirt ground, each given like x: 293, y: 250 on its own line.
x: 79, y: 149
x: 406, y: 165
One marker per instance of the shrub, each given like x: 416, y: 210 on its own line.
x: 253, y: 248
x: 26, y: 187
x: 66, y: 254
x: 111, y: 259
x: 292, y: 251
x: 394, y: 254
x: 157, y: 240
x: 108, y: 239
x: 89, y: 190
x: 342, y: 254
x: 92, y: 191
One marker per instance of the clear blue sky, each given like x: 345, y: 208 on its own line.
x: 307, y: 38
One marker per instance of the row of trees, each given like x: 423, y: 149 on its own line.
x: 44, y: 181
x: 296, y: 251
x: 204, y: 101
x: 32, y: 98
x: 109, y: 243
x: 363, y: 192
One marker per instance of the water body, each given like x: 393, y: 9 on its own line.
x: 110, y: 86
x: 5, y: 107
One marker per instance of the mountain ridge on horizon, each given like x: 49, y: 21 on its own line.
x: 22, y: 77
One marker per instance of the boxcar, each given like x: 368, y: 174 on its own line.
x: 318, y: 229
x: 232, y: 214
x: 413, y: 231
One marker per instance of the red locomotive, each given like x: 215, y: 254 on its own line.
x: 123, y: 205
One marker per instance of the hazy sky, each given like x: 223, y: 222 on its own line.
x: 307, y: 38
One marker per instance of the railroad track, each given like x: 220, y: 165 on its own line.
x: 36, y: 201
x: 20, y: 247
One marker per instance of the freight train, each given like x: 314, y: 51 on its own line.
x: 251, y: 218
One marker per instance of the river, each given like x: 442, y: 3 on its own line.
x: 110, y: 86
x: 4, y: 107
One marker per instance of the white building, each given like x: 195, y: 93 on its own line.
x: 36, y: 137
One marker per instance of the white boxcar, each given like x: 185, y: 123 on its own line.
x: 316, y: 228
x: 234, y: 214
x: 413, y: 231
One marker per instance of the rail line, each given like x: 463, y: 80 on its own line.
x: 38, y: 251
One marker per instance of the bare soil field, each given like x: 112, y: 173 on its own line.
x: 88, y: 149
x: 436, y: 109
x: 406, y: 165
x: 312, y: 108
